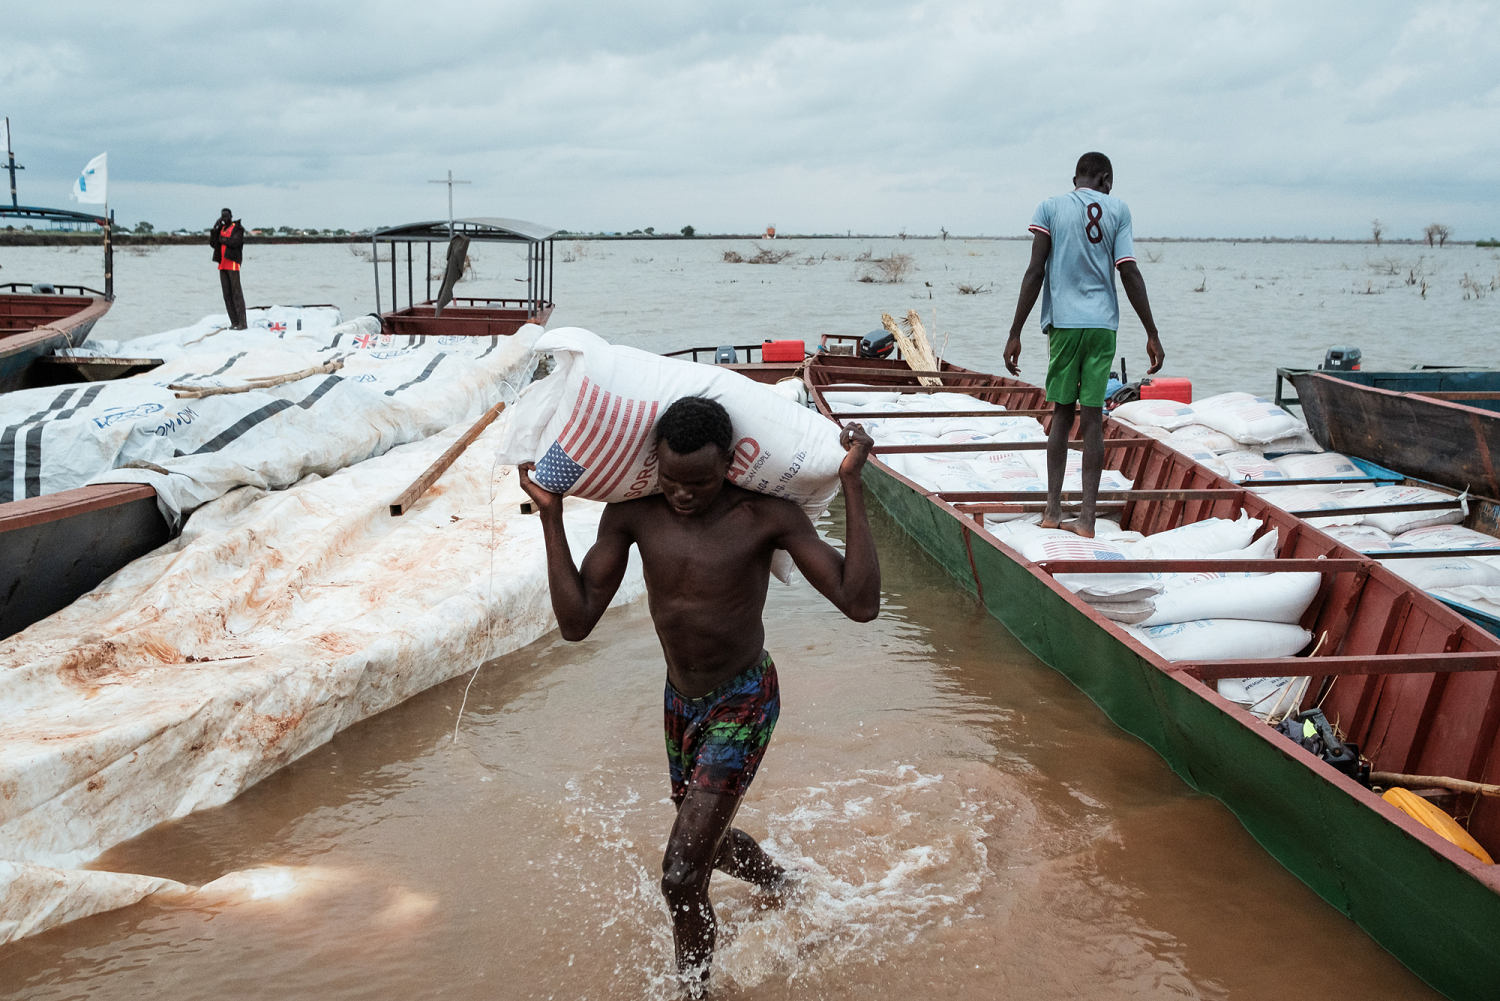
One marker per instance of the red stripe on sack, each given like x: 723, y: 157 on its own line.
x: 605, y: 445
x: 577, y: 409
x: 609, y: 451
x: 589, y: 433
x: 615, y: 475
x: 578, y: 421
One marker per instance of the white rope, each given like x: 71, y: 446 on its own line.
x: 489, y: 600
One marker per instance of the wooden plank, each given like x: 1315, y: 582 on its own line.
x: 995, y: 411
x: 67, y: 503
x: 1329, y: 512
x: 1003, y: 446
x: 1204, y: 565
x: 1180, y: 494
x: 1411, y: 554
x: 1391, y: 664
x: 419, y: 486
x: 862, y: 387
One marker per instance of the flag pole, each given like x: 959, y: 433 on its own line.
x: 10, y: 165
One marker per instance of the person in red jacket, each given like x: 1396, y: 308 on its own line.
x: 227, y: 238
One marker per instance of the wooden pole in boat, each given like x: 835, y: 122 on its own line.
x: 1433, y: 782
x: 421, y: 483
x: 915, y: 347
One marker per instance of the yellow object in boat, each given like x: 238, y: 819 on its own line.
x: 1435, y: 820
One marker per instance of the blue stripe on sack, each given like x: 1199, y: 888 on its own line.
x: 32, y: 486
x: 10, y: 434
x: 262, y: 414
x: 421, y: 378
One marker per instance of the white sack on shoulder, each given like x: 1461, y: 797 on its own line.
x: 589, y: 426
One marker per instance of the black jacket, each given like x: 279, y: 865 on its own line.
x: 231, y: 244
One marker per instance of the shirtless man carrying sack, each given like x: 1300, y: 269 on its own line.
x: 706, y: 548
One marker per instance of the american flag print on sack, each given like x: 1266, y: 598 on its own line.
x: 592, y: 455
x: 1083, y: 549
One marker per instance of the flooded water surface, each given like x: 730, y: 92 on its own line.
x: 964, y: 822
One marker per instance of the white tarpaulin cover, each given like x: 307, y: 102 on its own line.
x: 275, y: 620
x: 384, y: 391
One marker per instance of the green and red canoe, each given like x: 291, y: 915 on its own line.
x: 1413, y: 683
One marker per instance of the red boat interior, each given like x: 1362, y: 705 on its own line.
x: 1413, y: 683
x: 467, y: 318
x: 21, y: 313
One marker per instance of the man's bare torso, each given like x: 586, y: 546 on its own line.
x: 706, y: 580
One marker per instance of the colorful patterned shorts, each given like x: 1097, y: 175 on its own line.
x: 715, y: 742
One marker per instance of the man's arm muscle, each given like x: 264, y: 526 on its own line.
x: 580, y: 594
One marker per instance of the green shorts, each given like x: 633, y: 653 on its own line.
x: 1078, y: 364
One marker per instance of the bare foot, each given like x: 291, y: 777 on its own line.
x: 782, y: 893
x: 1078, y: 528
x: 1049, y: 523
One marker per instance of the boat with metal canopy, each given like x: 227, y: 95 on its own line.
x: 440, y: 312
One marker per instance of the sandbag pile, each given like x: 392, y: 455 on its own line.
x: 1470, y: 580
x: 949, y: 472
x: 1240, y: 436
x: 1250, y: 440
x: 1190, y: 616
x: 346, y: 392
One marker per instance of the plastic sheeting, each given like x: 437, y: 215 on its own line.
x: 276, y: 619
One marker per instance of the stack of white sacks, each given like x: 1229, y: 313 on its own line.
x: 1182, y: 616
x: 984, y: 471
x: 1191, y: 616
x: 1249, y: 439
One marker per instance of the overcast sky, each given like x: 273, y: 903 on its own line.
x: 1231, y: 119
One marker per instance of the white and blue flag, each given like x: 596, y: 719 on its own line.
x: 91, y: 184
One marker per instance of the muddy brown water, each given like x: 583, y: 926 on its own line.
x: 967, y: 825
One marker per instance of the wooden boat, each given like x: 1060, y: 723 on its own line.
x: 58, y: 547
x: 1435, y: 427
x: 33, y: 324
x: 1416, y: 686
x: 39, y: 317
x: 1438, y: 424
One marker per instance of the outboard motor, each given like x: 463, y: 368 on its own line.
x: 877, y: 344
x: 1312, y: 730
x: 726, y: 355
x: 1341, y: 359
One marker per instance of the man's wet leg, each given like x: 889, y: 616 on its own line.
x: 697, y: 837
x: 741, y: 857
x: 1057, y: 462
x: 1091, y: 430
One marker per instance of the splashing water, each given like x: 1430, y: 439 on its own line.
x: 877, y: 859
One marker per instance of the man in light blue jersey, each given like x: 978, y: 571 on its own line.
x: 1078, y: 241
